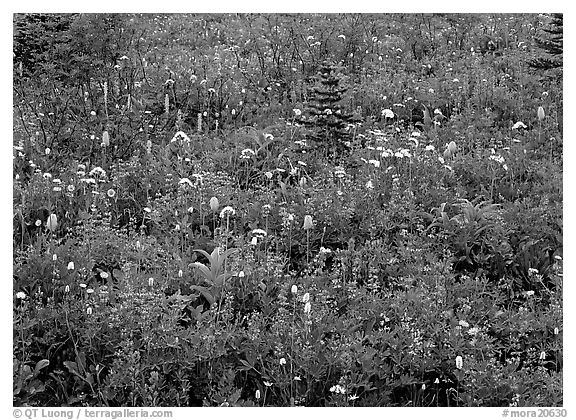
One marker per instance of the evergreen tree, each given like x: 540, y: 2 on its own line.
x: 551, y: 42
x: 327, y: 122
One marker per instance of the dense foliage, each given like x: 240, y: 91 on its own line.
x: 280, y: 210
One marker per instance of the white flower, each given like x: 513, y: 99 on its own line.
x: 104, y: 274
x: 89, y: 311
x: 247, y: 153
x: 463, y: 323
x: 268, y: 384
x: 370, y: 185
x: 151, y: 281
x: 83, y: 285
x: 257, y: 394
x: 459, y: 362
x: 429, y: 148
x: 307, y: 307
x: 147, y: 209
x: 297, y: 112
x: 555, y: 330
x: 254, y: 240
x: 227, y: 210
x: 473, y: 331
x: 374, y: 162
x: 54, y: 257
x: 21, y: 295
x: 214, y: 204
x: 518, y: 125
x: 294, y: 289
x: 180, y: 273
x: 437, y: 381
x: 542, y: 355
x: 38, y: 222
x: 387, y: 113
x: 530, y: 293
x: 532, y: 271
x: 308, y: 223
x: 185, y: 181
x: 52, y: 222
x: 306, y: 297
x: 259, y: 233
x: 71, y: 265
x: 89, y: 291
x: 282, y: 361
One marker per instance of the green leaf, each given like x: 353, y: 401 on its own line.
x: 205, y: 292
x: 205, y: 272
x: 41, y: 365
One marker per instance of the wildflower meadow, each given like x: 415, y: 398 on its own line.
x: 319, y: 210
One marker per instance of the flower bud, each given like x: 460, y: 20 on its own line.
x: 71, y: 265
x: 294, y: 289
x: 257, y: 394
x: 105, y: 138
x: 151, y: 281
x: 308, y: 223
x: 89, y: 310
x: 459, y: 362
x: 52, y: 222
x: 540, y: 113
x: 214, y: 204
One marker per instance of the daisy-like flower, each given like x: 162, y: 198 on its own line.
x: 185, y: 181
x: 387, y: 113
x: 227, y: 211
x: 518, y: 124
x: 21, y: 295
x: 247, y: 154
x: 260, y: 233
x: 111, y: 193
